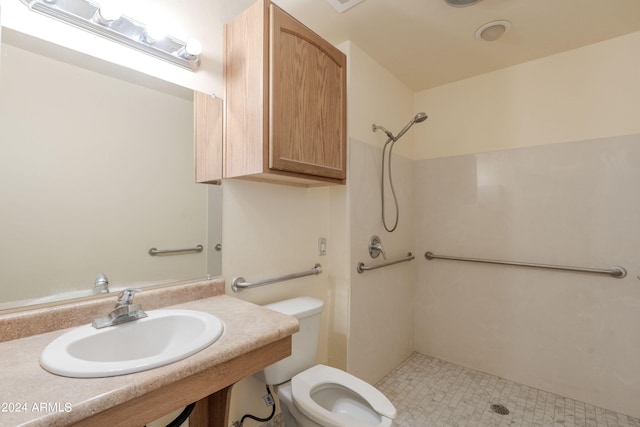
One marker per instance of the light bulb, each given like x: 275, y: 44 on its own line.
x: 107, y: 13
x: 193, y: 47
x: 154, y: 32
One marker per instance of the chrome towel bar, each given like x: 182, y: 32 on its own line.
x: 154, y: 251
x: 615, y: 271
x: 239, y: 283
x: 361, y: 268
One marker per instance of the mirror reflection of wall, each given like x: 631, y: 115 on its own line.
x: 95, y: 170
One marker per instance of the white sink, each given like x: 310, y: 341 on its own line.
x: 164, y: 337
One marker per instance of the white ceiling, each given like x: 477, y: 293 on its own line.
x: 426, y: 43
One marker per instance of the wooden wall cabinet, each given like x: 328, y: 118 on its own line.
x: 285, y: 117
x: 208, y: 113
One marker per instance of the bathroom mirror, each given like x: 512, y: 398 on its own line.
x: 96, y: 165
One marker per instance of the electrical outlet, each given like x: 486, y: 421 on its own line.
x: 235, y: 424
x: 322, y: 246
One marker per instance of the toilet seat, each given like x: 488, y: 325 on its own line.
x: 319, y: 377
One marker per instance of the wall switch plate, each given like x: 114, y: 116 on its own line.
x: 322, y: 246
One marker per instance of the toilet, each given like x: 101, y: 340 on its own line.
x: 320, y: 395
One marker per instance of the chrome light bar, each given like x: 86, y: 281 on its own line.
x: 91, y: 17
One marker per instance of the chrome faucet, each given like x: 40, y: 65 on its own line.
x: 124, y: 311
x: 101, y: 284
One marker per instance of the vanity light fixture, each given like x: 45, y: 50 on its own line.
x: 106, y: 14
x: 153, y: 33
x: 108, y: 22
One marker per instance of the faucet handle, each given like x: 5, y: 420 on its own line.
x: 101, y: 284
x: 101, y: 279
x: 375, y: 247
x: 126, y: 297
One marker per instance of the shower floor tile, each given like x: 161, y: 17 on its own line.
x: 431, y: 392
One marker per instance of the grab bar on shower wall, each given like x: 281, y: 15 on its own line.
x: 154, y: 251
x: 361, y: 268
x: 615, y: 271
x: 239, y: 283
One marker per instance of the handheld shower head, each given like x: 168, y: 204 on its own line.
x: 419, y: 118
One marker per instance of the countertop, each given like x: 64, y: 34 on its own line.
x: 31, y: 396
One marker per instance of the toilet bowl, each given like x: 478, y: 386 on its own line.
x: 312, y: 396
x: 333, y: 398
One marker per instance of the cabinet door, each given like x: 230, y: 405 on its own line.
x: 307, y: 122
x: 208, y: 138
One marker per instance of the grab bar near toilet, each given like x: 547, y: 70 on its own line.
x: 239, y: 283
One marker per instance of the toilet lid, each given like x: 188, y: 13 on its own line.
x: 303, y: 384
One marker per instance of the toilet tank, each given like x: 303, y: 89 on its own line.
x: 304, y: 342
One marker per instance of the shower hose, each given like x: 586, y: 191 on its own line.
x: 393, y: 191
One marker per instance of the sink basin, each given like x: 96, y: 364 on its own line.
x: 164, y: 337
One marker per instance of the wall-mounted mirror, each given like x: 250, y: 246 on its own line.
x: 96, y: 168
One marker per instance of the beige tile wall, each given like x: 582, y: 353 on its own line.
x: 381, y: 321
x: 573, y: 204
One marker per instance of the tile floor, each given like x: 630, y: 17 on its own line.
x: 431, y: 392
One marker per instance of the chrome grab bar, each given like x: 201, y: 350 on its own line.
x: 362, y: 267
x: 615, y: 271
x: 239, y: 283
x: 154, y: 251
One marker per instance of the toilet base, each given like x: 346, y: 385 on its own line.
x: 287, y: 418
x: 292, y: 416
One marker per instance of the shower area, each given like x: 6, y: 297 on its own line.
x: 544, y: 177
x: 515, y: 336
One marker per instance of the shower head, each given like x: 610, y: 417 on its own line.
x: 419, y: 118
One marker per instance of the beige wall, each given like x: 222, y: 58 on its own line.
x: 270, y: 230
x: 376, y: 96
x: 527, y: 164
x: 380, y: 308
x: 339, y: 278
x: 585, y: 93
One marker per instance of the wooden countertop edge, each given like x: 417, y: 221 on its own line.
x: 166, y: 399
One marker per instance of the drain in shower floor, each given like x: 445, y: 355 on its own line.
x: 499, y: 409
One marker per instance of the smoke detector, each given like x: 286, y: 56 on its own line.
x: 344, y: 5
x: 492, y: 31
